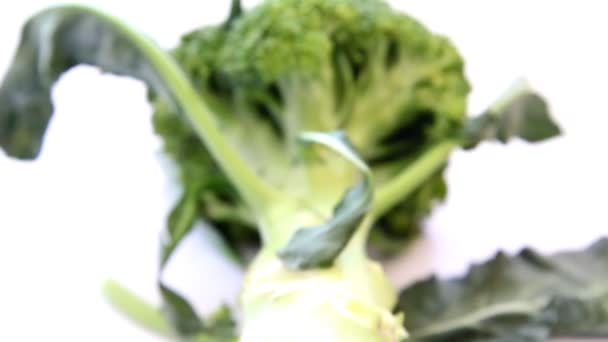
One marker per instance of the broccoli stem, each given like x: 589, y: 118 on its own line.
x: 256, y: 192
x: 144, y: 314
x: 133, y: 307
x: 61, y: 37
x: 402, y: 185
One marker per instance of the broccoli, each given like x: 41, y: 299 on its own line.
x: 394, y: 87
x: 316, y: 124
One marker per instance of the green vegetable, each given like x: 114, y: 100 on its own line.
x: 290, y: 66
x: 527, y: 297
x: 306, y: 122
x: 335, y: 66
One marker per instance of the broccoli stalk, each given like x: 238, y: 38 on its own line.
x: 279, y: 213
x: 309, y: 120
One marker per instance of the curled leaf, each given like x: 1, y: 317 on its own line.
x: 318, y: 246
x: 181, y: 315
x: 52, y: 42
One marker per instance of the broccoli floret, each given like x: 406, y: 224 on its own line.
x: 289, y: 66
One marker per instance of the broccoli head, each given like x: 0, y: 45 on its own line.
x: 288, y: 66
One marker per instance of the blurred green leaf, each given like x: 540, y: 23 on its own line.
x: 520, y: 113
x: 527, y: 297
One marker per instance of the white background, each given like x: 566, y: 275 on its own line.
x: 93, y: 204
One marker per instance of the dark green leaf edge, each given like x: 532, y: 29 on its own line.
x: 60, y: 38
x: 53, y: 42
x: 319, y: 246
x: 176, y: 308
x: 526, y: 297
x: 218, y: 327
x: 519, y: 113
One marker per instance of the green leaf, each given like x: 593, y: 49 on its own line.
x: 180, y: 313
x: 527, y: 297
x: 236, y: 9
x: 180, y: 223
x: 318, y: 246
x: 218, y: 327
x: 60, y: 38
x: 520, y: 113
x: 52, y: 42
